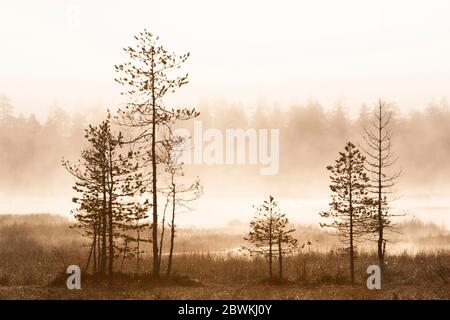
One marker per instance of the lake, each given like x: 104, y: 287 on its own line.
x: 218, y: 211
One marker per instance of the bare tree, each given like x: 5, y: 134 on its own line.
x: 179, y: 191
x: 380, y: 160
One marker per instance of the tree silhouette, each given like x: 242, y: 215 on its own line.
x: 147, y: 77
x: 380, y: 160
x: 108, y: 182
x: 132, y: 229
x: 270, y: 233
x: 349, y: 212
x: 179, y: 192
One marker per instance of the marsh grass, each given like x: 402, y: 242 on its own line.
x: 36, y: 249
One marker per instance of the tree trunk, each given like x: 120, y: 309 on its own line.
x: 163, y: 228
x: 99, y: 248
x: 103, y: 246
x: 110, y: 236
x: 94, y: 254
x: 280, y: 259
x: 154, y: 175
x: 110, y: 214
x: 172, y: 233
x: 352, y: 254
x: 124, y: 254
x: 104, y: 225
x: 138, y: 252
x: 270, y: 245
x: 351, y: 233
x: 90, y: 253
x: 94, y: 251
x: 380, y: 190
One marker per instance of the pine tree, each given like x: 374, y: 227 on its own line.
x: 349, y: 214
x: 108, y: 181
x: 270, y: 233
x: 132, y: 230
x: 147, y: 79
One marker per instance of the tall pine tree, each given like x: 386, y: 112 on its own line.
x: 148, y: 76
x: 350, y: 208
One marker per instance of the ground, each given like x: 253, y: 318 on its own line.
x: 35, y: 251
x: 290, y: 292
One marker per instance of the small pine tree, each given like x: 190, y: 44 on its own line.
x: 270, y: 233
x: 108, y: 182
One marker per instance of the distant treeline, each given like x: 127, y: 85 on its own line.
x: 310, y: 137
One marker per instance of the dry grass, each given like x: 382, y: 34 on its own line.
x: 314, y: 268
x: 35, y: 250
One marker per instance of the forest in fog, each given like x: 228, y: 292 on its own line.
x: 310, y: 136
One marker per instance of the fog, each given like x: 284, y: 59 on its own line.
x: 33, y: 181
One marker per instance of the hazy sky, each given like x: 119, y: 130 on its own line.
x: 347, y: 51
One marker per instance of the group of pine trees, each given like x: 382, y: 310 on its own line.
x: 124, y: 182
x: 361, y: 185
x: 121, y: 179
x: 108, y: 181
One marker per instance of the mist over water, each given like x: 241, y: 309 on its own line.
x: 33, y: 180
x: 213, y: 212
